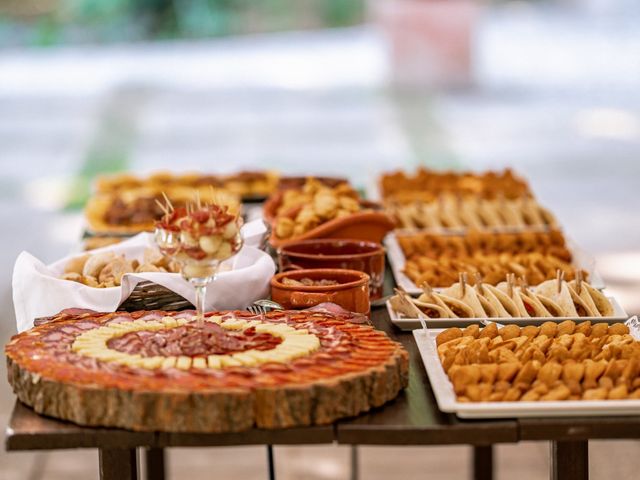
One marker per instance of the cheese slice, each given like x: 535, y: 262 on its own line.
x: 183, y: 362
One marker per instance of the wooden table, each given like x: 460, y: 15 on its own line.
x: 412, y: 419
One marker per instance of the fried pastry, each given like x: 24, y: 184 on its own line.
x: 525, y: 364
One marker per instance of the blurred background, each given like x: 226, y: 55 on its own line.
x: 336, y: 87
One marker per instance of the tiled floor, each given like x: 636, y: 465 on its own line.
x: 578, y: 146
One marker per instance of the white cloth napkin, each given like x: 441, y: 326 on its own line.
x: 39, y: 292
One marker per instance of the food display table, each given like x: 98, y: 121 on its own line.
x: 412, y: 419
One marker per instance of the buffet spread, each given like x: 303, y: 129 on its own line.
x: 510, y: 318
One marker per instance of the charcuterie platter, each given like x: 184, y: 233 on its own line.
x: 158, y: 371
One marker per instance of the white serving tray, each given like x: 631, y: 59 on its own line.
x: 447, y: 401
x: 405, y: 323
x: 397, y: 260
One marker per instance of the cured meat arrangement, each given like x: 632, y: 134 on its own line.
x: 156, y: 371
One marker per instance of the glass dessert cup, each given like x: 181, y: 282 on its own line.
x: 199, y: 261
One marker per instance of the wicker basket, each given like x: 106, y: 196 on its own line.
x: 151, y: 296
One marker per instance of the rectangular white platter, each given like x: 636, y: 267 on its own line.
x: 404, y: 323
x: 397, y: 260
x: 447, y: 401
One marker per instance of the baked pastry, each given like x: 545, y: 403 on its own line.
x: 553, y: 362
x: 449, y: 211
x: 105, y: 269
x: 506, y: 300
x: 426, y: 185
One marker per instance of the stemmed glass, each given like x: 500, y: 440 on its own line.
x: 199, y: 257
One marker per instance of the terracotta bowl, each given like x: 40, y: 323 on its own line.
x: 369, y: 225
x: 352, y: 292
x: 367, y: 257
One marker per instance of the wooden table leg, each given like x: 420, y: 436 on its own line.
x: 570, y: 460
x: 355, y: 464
x: 118, y: 464
x: 270, y: 463
x: 483, y: 462
x: 155, y: 463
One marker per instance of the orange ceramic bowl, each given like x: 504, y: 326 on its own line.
x: 351, y: 293
x: 367, y: 257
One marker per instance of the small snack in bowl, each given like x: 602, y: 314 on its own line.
x: 301, y: 210
x: 308, y: 282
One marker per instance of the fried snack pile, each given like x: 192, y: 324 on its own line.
x: 456, y: 246
x: 427, y: 185
x: 443, y: 272
x: 242, y: 183
x: 456, y: 212
x: 102, y: 270
x: 438, y: 259
x: 315, y: 203
x: 552, y: 362
x: 552, y: 298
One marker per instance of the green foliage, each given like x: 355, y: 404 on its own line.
x: 126, y: 20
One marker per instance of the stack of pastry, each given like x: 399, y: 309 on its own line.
x: 565, y: 361
x: 426, y: 185
x: 449, y: 211
x: 552, y: 298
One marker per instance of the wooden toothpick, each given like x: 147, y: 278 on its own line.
x: 462, y: 277
x: 559, y: 277
x: 169, y: 204
x: 578, y: 275
x: 162, y: 207
x: 478, y: 276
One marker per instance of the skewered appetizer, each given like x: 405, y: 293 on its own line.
x: 199, y: 236
x: 449, y: 211
x: 426, y: 185
x: 134, y: 210
x: 565, y: 361
x: 552, y: 298
x: 102, y: 270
